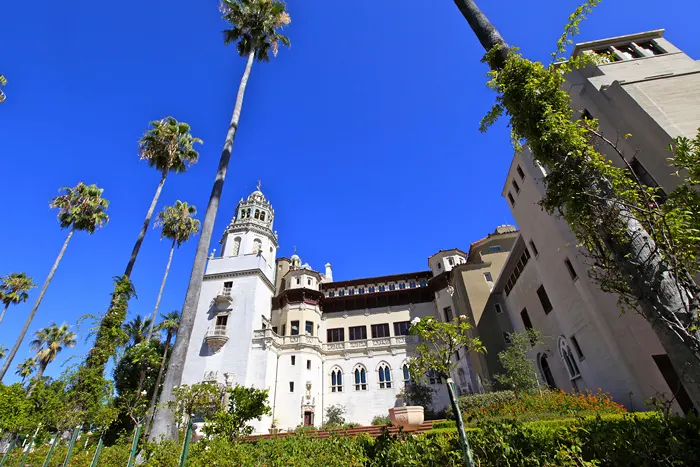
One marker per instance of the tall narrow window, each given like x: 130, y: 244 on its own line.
x: 577, y: 348
x: 520, y: 172
x: 570, y: 268
x: 384, y: 376
x: 489, y: 279
x: 291, y: 386
x: 568, y: 359
x: 448, y: 313
x: 544, y: 300
x: 257, y: 214
x: 294, y: 360
x: 360, y: 379
x: 257, y: 245
x: 308, y: 364
x: 451, y: 261
x: 646, y: 179
x: 511, y: 199
x: 526, y: 319
x: 309, y: 328
x: 295, y: 328
x: 498, y: 307
x: 534, y: 248
x: 236, y: 246
x: 336, y: 380
x: 406, y: 374
x: 515, y: 185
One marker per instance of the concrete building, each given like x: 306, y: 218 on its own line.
x: 650, y: 90
x: 276, y: 323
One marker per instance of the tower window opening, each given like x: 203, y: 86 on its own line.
x: 262, y: 215
x: 257, y: 214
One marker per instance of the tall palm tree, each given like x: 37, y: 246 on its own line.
x: 48, y: 343
x: 13, y: 289
x: 168, y: 147
x: 136, y: 329
x: 179, y: 225
x: 663, y: 297
x: 3, y: 351
x: 255, y: 26
x: 81, y: 208
x: 170, y: 324
x: 26, y: 368
x: 3, y: 82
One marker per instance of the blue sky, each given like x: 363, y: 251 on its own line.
x: 364, y: 133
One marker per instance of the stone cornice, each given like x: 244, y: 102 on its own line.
x: 248, y: 272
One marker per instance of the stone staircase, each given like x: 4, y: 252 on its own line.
x: 373, y: 431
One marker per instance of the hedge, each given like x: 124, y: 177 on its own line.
x: 616, y: 440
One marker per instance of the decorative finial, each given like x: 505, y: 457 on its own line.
x: 259, y: 185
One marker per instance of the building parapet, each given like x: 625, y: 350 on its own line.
x: 268, y: 338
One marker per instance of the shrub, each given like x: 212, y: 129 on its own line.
x: 475, y: 402
x: 381, y: 420
x: 335, y: 416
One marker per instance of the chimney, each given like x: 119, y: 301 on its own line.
x: 329, y: 272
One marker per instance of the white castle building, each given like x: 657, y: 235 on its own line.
x: 278, y: 324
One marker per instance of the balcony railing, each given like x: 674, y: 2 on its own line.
x: 332, y: 347
x: 217, y: 331
x: 216, y: 337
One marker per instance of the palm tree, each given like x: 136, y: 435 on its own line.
x: 26, y: 368
x: 3, y: 82
x: 3, y: 351
x: 662, y: 293
x: 179, y: 225
x: 13, y: 289
x: 48, y: 343
x: 170, y: 324
x: 255, y: 26
x: 80, y: 208
x: 136, y: 329
x: 167, y: 147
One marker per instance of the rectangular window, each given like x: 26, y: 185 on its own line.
x: 412, y: 285
x: 448, y: 313
x: 498, y: 307
x: 570, y: 268
x: 358, y: 333
x: 308, y: 364
x: 331, y: 293
x: 371, y: 290
x: 628, y: 52
x: 309, y: 328
x: 382, y: 288
x: 511, y: 199
x: 380, y: 330
x: 495, y: 249
x: 274, y: 329
x: 222, y: 320
x: 520, y: 172
x: 488, y: 277
x: 392, y: 286
x: 351, y: 291
x: 294, y: 359
x: 361, y: 290
x: 341, y: 293
x: 526, y: 319
x: 506, y: 338
x: 308, y: 281
x: 515, y: 185
x: 298, y: 280
x: 534, y: 248
x: 544, y: 300
x: 402, y: 285
x: 401, y: 328
x: 577, y: 348
x: 291, y: 386
x: 335, y: 335
x: 295, y: 328
x: 646, y: 179
x: 650, y: 48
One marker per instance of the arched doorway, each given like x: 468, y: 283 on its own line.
x: 546, y: 372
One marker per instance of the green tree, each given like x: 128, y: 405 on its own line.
x: 167, y: 147
x: 199, y: 399
x: 13, y: 290
x: 255, y: 26
x: 14, y: 408
x: 520, y: 373
x: 26, y: 368
x: 178, y: 225
x: 47, y: 344
x: 137, y: 329
x: 170, y: 325
x: 335, y: 416
x: 244, y: 404
x: 81, y: 208
x: 3, y: 351
x: 3, y: 82
x: 632, y: 244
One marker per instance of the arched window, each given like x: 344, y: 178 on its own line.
x: 257, y: 245
x: 434, y: 377
x: 384, y: 375
x: 257, y: 213
x: 262, y: 215
x: 568, y: 358
x: 406, y: 374
x: 360, y: 378
x: 336, y: 380
x: 236, y: 246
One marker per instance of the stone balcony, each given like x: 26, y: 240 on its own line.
x: 216, y: 337
x: 268, y: 338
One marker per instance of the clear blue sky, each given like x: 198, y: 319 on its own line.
x: 364, y: 133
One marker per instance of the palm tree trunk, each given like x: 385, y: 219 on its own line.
x: 144, y: 228
x: 160, y: 293
x: 28, y: 321
x: 665, y: 304
x: 2, y: 315
x: 37, y: 379
x: 154, y: 396
x: 164, y: 423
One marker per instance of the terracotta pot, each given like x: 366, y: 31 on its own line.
x: 409, y: 417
